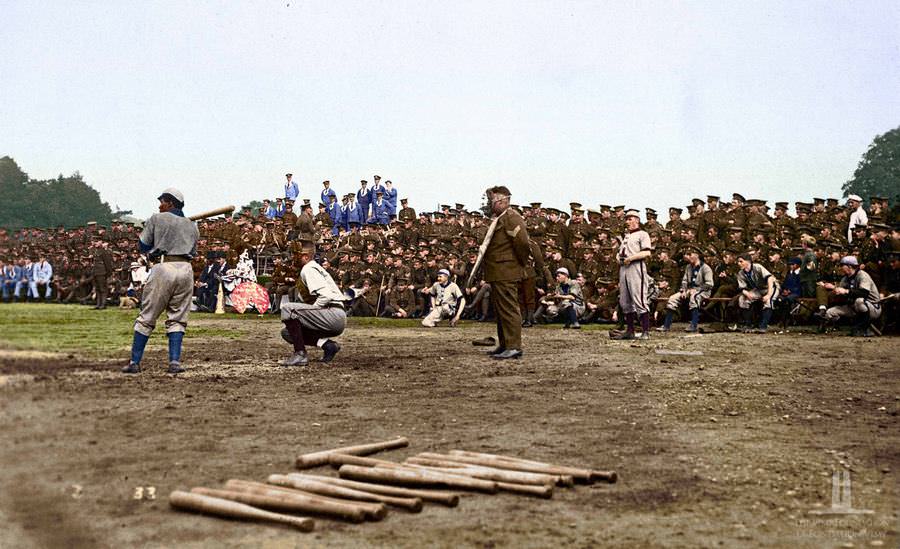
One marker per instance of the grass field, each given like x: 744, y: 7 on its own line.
x: 63, y: 328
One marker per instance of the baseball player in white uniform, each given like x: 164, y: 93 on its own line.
x: 634, y: 283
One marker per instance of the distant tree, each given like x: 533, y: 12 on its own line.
x: 254, y: 208
x: 67, y: 201
x: 878, y: 173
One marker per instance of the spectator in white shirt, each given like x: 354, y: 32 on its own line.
x: 857, y: 216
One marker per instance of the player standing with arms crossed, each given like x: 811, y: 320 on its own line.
x: 171, y: 241
x: 634, y: 283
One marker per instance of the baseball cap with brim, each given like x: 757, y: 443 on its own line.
x: 850, y: 260
x: 562, y: 270
x: 173, y: 192
x: 444, y: 272
x: 855, y: 197
x: 632, y: 213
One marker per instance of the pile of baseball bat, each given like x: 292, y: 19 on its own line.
x: 366, y: 487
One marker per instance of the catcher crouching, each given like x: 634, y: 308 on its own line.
x: 321, y: 315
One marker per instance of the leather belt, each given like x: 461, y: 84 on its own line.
x: 174, y: 259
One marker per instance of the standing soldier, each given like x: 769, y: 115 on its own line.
x: 634, y: 283
x: 102, y: 269
x: 171, y: 239
x: 406, y: 213
x: 506, y: 254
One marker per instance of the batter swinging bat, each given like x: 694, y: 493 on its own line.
x: 212, y: 213
x: 232, y: 509
x: 315, y: 459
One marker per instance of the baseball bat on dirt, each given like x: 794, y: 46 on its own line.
x: 310, y: 503
x: 212, y: 213
x: 518, y: 464
x: 415, y: 477
x: 317, y: 487
x: 315, y: 459
x: 231, y: 509
x: 487, y: 473
x: 539, y: 490
x: 336, y: 460
x: 459, y: 476
x: 372, y: 511
x: 433, y: 496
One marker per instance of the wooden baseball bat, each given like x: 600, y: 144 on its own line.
x: 341, y: 459
x: 315, y: 459
x: 317, y: 487
x: 309, y: 504
x: 416, y: 477
x: 540, y: 490
x: 561, y: 480
x: 212, y: 213
x: 589, y: 475
x: 373, y: 511
x: 232, y: 509
x: 487, y: 473
x: 433, y: 496
x: 336, y: 460
x: 580, y: 475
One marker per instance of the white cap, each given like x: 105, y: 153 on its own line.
x: 175, y: 193
x: 849, y: 260
x: 562, y: 270
x: 855, y: 197
x: 444, y: 272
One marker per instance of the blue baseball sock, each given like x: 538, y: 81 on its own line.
x: 175, y: 339
x: 667, y: 324
x: 695, y: 317
x: 137, y: 347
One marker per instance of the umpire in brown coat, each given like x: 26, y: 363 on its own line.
x: 506, y: 259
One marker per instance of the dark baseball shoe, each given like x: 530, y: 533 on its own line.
x: 621, y: 336
x: 330, y: 349
x: 497, y: 351
x: 485, y: 342
x: 175, y: 368
x: 296, y: 359
x: 508, y: 354
x: 132, y: 368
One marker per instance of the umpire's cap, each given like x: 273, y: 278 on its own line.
x: 172, y: 192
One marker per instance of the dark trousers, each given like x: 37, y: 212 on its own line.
x: 505, y: 298
x: 527, y: 294
x: 101, y: 288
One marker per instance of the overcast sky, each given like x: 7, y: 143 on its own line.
x: 635, y: 103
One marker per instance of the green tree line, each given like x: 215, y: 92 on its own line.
x: 67, y: 201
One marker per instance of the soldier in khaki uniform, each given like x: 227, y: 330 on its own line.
x: 505, y: 260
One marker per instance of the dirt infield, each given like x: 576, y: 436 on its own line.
x: 731, y: 448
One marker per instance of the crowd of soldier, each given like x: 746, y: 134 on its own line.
x: 384, y: 254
